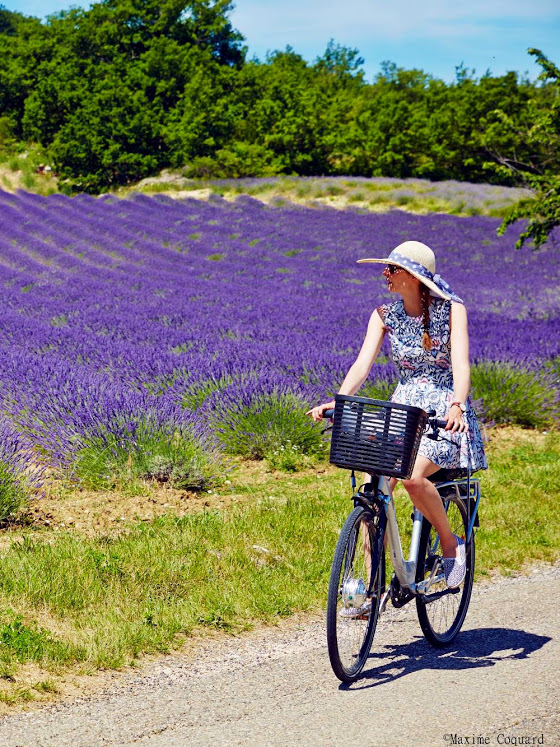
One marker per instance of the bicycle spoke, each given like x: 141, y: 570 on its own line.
x: 442, y: 612
x: 354, y: 596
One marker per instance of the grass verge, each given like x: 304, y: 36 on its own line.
x: 73, y: 602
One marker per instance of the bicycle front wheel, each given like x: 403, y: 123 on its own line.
x: 355, y: 589
x: 442, y: 611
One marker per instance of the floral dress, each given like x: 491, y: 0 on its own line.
x: 426, y: 381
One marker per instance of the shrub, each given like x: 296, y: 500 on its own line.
x: 180, y: 458
x: 379, y: 389
x: 236, y: 161
x: 516, y: 395
x: 197, y: 393
x: 273, y: 421
x: 13, y: 495
x: 19, y: 472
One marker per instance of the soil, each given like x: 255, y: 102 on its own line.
x: 94, y: 513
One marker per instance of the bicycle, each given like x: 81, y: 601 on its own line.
x: 382, y: 439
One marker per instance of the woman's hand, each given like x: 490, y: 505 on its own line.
x: 317, y: 412
x: 456, y: 423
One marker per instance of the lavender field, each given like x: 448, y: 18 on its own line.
x: 131, y: 323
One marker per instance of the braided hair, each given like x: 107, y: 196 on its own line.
x: 426, y: 339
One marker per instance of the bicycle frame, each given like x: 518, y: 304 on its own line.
x: 473, y: 493
x: 405, y: 570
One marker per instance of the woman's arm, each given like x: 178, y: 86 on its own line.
x: 361, y: 367
x: 460, y: 365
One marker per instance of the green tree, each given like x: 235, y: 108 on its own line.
x: 540, y: 171
x: 128, y: 87
x: 116, y: 86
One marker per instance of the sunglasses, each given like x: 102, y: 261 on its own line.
x: 392, y: 269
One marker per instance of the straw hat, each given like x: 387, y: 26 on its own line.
x: 419, y: 260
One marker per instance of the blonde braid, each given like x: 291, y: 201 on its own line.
x: 426, y: 339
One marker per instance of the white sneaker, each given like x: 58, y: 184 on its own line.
x: 356, y: 613
x: 455, y: 569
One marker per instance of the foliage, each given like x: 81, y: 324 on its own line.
x: 23, y: 643
x: 542, y: 211
x: 540, y: 172
x: 178, y: 459
x: 119, y: 330
x: 128, y: 87
x: 288, y: 458
x: 516, y: 394
x: 271, y: 426
x: 109, y: 599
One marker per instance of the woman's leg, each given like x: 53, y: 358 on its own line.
x: 425, y: 497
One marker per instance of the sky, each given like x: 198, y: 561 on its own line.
x: 433, y: 35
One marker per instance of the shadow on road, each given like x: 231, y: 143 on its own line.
x: 472, y: 649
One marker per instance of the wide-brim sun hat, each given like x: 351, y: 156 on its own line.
x: 419, y: 260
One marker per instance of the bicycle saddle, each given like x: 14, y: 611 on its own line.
x: 445, y: 475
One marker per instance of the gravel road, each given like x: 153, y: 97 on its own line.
x: 499, y: 684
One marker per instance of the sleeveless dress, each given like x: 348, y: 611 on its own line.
x: 426, y: 381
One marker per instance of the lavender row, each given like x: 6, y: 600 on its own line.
x: 118, y: 310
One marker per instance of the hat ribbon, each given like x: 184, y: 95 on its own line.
x: 410, y: 264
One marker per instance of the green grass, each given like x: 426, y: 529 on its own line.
x: 22, y: 643
x: 519, y: 516
x: 128, y: 595
x: 107, y: 600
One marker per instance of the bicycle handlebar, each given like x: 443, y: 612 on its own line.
x: 437, y: 423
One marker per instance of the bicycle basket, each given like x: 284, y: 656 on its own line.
x: 375, y: 436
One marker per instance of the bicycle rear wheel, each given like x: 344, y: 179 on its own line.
x: 355, y: 589
x: 441, y: 612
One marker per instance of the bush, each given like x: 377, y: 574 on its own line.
x: 13, y: 495
x: 19, y: 472
x: 181, y: 459
x: 381, y: 389
x: 516, y: 396
x: 196, y: 394
x: 271, y: 423
x: 234, y: 162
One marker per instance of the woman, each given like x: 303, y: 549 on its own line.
x: 428, y: 332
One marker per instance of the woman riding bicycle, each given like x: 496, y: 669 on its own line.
x: 427, y: 329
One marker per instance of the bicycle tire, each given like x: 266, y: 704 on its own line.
x: 349, y: 639
x: 441, y: 612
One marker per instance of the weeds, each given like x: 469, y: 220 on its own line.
x: 288, y: 458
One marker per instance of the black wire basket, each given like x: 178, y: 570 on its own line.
x: 376, y: 437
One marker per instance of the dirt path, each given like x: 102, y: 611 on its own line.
x: 498, y: 685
